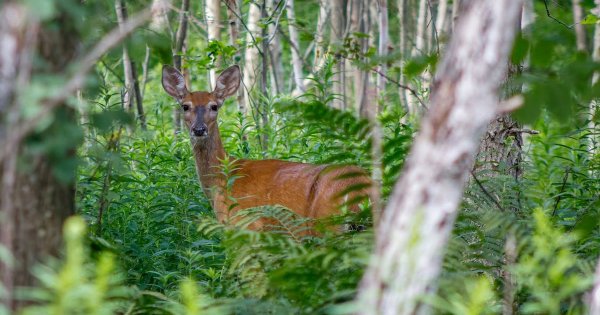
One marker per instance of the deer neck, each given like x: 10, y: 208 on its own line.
x: 209, y: 154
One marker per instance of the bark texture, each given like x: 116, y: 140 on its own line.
x: 579, y: 28
x: 251, y: 64
x: 296, y: 61
x: 419, y: 217
x: 213, y: 22
x: 33, y: 202
x: 177, y: 55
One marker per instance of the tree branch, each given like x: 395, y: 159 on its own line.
x: 77, y: 80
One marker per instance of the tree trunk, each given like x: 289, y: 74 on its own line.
x: 132, y: 85
x: 275, y: 48
x: 440, y: 23
x: 121, y: 11
x: 320, y: 45
x: 296, y: 61
x: 403, y: 16
x: 262, y: 106
x: 251, y: 63
x: 180, y: 38
x: 34, y: 203
x: 336, y: 38
x: 579, y: 28
x: 213, y: 21
x: 455, y: 7
x: 233, y: 12
x: 419, y: 217
x: 595, y: 77
x: 382, y: 51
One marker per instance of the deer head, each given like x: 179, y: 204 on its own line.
x: 201, y: 108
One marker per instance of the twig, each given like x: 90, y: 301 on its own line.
x: 552, y: 17
x: 562, y: 189
x: 400, y: 85
x: 245, y: 26
x: 117, y: 35
x: 278, y: 18
x: 486, y: 192
x: 522, y: 130
x: 145, y: 71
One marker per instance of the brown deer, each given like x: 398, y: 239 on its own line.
x: 312, y: 191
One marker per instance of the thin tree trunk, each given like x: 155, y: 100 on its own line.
x: 403, y: 51
x: 262, y: 107
x: 296, y: 61
x: 233, y: 11
x: 579, y: 28
x: 121, y: 11
x: 320, y: 44
x: 595, y: 77
x: 138, y: 97
x: 337, y: 33
x: 419, y: 217
x: 251, y: 63
x: 180, y: 38
x: 440, y: 23
x: 455, y: 7
x: 421, y: 37
x: 356, y: 26
x: 382, y: 51
x: 275, y: 49
x: 213, y: 21
x: 132, y: 85
x: 145, y: 71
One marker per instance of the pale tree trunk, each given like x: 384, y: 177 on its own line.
x: 421, y: 37
x: 180, y: 38
x: 336, y: 38
x: 419, y: 217
x: 233, y: 11
x: 440, y: 23
x: 419, y: 49
x: 403, y: 16
x: 579, y: 28
x: 594, y: 302
x: 275, y: 48
x: 34, y: 203
x: 320, y: 44
x: 132, y: 84
x: 251, y: 64
x: 127, y: 69
x: 382, y: 50
x: 595, y: 77
x: 359, y: 22
x: 296, y: 61
x: 455, y: 7
x: 213, y: 23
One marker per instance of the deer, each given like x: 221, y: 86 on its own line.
x: 309, y: 190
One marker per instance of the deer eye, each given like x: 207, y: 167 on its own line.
x: 185, y: 107
x: 214, y: 107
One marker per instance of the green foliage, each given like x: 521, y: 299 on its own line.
x: 286, y: 265
x: 78, y: 285
x: 157, y: 231
x: 549, y: 271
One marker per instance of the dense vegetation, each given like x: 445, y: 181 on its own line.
x: 146, y: 240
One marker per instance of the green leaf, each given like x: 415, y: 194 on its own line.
x: 590, y: 19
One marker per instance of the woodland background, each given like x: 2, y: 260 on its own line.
x: 87, y: 130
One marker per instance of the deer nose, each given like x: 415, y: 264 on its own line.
x: 200, y: 131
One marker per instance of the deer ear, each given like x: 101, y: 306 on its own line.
x: 174, y: 83
x: 228, y: 82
